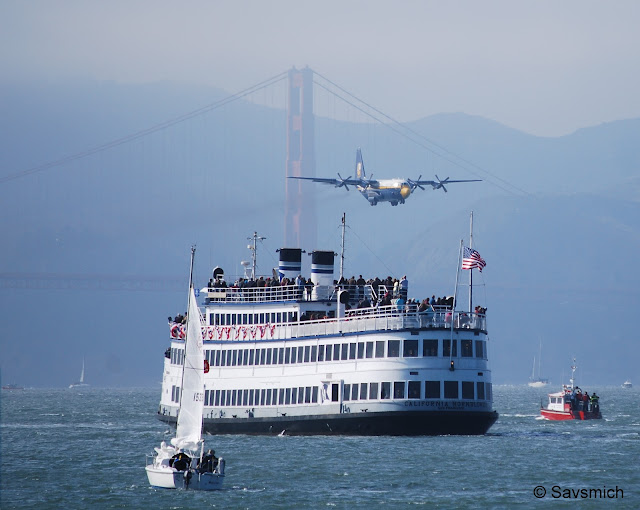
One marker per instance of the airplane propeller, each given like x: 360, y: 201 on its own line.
x: 441, y: 183
x: 415, y: 184
x: 343, y: 182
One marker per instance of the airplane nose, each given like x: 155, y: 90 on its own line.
x: 405, y: 190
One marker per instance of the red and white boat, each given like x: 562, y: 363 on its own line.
x: 572, y: 403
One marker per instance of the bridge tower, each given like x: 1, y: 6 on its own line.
x: 300, y: 229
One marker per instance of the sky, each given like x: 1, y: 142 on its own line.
x: 546, y: 67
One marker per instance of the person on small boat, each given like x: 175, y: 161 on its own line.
x: 180, y: 461
x: 209, y: 462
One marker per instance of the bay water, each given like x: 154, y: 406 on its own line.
x: 86, y: 447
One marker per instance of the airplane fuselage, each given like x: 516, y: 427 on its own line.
x: 395, y: 191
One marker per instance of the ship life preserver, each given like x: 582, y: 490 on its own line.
x: 175, y: 330
x: 206, y: 366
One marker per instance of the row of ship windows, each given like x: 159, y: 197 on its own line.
x: 231, y: 319
x: 351, y: 392
x: 337, y: 352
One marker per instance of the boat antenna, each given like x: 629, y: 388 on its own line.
x: 342, y: 247
x: 573, y: 372
x: 254, y: 247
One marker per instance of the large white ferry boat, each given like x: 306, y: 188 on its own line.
x: 286, y: 355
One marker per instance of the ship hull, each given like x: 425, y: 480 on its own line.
x: 413, y: 423
x: 569, y: 415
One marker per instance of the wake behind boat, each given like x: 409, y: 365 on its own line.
x: 183, y: 464
x: 572, y: 403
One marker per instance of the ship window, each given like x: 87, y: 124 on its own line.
x: 281, y: 397
x: 363, y: 390
x: 446, y: 348
x: 245, y: 397
x: 398, y: 389
x: 335, y: 388
x: 379, y: 348
x: 414, y: 389
x: 451, y: 389
x: 281, y: 355
x: 235, y: 357
x: 279, y: 318
x: 429, y: 347
x: 251, y: 397
x: 273, y: 318
x: 352, y: 351
x: 294, y: 352
x: 488, y: 390
x: 287, y: 355
x: 234, y: 319
x: 369, y: 350
x: 223, y: 398
x: 250, y: 318
x: 321, y: 353
x: 385, y: 390
x: 206, y: 397
x: 245, y: 359
x: 410, y: 349
x: 314, y: 353
x: 294, y: 316
x: 212, y: 320
x: 268, y: 400
x: 347, y: 392
x: 467, y: 390
x: 262, y: 395
x: 466, y: 348
x: 234, y: 395
x: 300, y: 395
x: 228, y: 399
x: 251, y: 352
x: 328, y: 358
x: 173, y: 393
x: 294, y: 395
x: 394, y: 349
x: 300, y: 354
x: 314, y: 395
x: 274, y: 400
x: 479, y: 349
x: 432, y: 389
x: 261, y: 319
x: 354, y: 392
x: 287, y: 396
x: 223, y: 358
x: 307, y: 395
x: 480, y: 387
x: 345, y: 352
x: 256, y: 318
x: 307, y: 353
x: 217, y: 363
x: 217, y: 401
x: 263, y: 356
x: 336, y: 352
x: 360, y: 350
x: 227, y: 321
x: 207, y: 355
x: 373, y: 391
x: 269, y: 352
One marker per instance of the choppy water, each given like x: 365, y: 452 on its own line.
x: 86, y: 449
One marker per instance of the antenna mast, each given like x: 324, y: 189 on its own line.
x: 253, y: 247
x: 342, y: 247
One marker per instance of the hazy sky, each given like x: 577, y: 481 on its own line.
x: 545, y: 67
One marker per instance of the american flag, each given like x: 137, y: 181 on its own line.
x: 472, y: 259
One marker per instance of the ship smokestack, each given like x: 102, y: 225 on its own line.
x: 290, y: 265
x: 321, y: 273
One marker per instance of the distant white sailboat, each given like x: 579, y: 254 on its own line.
x: 627, y: 384
x: 538, y: 381
x: 81, y: 382
x: 183, y: 464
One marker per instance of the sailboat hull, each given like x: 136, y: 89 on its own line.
x: 169, y: 478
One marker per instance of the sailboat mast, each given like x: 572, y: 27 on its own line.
x: 193, y: 254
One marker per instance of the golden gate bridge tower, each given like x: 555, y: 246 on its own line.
x: 300, y: 229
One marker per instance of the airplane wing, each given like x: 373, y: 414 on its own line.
x: 338, y: 183
x: 440, y: 183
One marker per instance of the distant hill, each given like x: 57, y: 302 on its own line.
x: 557, y: 219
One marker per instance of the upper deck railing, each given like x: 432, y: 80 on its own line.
x: 384, y: 318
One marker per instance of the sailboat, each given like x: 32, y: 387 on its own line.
x: 183, y: 463
x: 537, y: 381
x: 80, y: 383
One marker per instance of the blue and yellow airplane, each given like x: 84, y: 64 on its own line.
x: 395, y: 191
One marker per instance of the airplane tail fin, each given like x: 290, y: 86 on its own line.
x: 359, y: 165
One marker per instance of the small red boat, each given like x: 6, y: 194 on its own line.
x: 572, y: 403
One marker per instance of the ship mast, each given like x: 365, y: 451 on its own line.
x: 471, y: 271
x: 342, y: 247
x: 253, y: 247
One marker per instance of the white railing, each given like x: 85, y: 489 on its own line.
x: 387, y: 318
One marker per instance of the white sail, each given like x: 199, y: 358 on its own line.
x: 82, y: 373
x: 189, y: 427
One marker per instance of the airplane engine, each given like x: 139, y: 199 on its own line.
x: 405, y: 190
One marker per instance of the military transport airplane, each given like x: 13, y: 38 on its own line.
x: 395, y: 191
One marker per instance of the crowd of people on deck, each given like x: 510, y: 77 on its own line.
x: 581, y: 401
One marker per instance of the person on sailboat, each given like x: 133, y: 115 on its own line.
x: 209, y: 462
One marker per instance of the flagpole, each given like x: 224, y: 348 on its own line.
x: 453, y: 308
x: 471, y: 270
